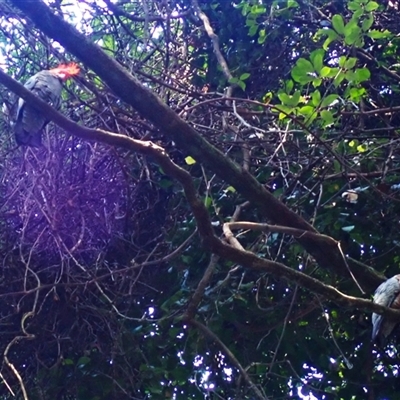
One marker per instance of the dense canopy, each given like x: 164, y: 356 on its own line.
x: 212, y: 208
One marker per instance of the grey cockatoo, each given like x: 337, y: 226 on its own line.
x: 47, y: 85
x: 387, y: 294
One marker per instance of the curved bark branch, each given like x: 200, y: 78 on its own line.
x: 129, y: 89
x: 211, y: 241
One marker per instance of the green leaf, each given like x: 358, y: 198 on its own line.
x: 350, y: 76
x: 371, y: 6
x: 317, y: 57
x: 301, y: 78
x: 362, y: 148
x: 332, y: 36
x: 303, y: 72
x: 325, y: 71
x: 109, y: 42
x: 367, y: 23
x: 190, y: 160
x: 316, y: 97
x: 306, y: 110
x: 304, y: 65
x: 354, y: 6
x: 288, y: 100
x: 285, y: 111
x: 289, y: 84
x: 242, y: 85
x: 317, y: 82
x: 245, y: 9
x: 284, y: 98
x: 342, y: 61
x: 327, y: 117
x: 267, y: 97
x: 253, y: 30
x: 258, y: 10
x: 338, y: 23
x: 362, y: 74
x: 328, y: 100
x: 244, y: 76
x: 295, y: 98
x: 359, y: 42
x: 230, y: 189
x: 375, y: 34
x: 311, y: 118
x: 357, y: 14
x: 352, y: 32
x: 350, y: 26
x: 262, y: 36
x: 350, y: 63
x: 208, y: 202
x: 356, y: 94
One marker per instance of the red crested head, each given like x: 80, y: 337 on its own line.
x: 66, y: 71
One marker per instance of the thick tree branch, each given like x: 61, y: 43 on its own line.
x: 250, y: 260
x: 212, y: 242
x: 129, y: 89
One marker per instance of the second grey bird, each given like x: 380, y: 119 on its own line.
x: 387, y: 294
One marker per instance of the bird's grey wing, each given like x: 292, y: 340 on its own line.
x: 48, y: 88
x: 29, y: 84
x: 387, y: 294
x: 30, y: 122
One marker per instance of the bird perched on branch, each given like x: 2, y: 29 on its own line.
x: 47, y: 85
x: 387, y: 294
